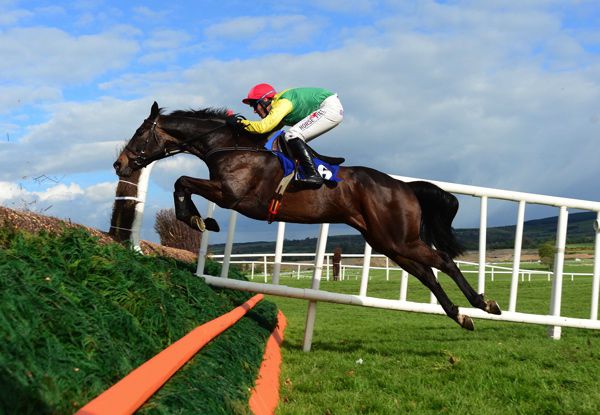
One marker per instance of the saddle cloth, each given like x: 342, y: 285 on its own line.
x: 327, y: 170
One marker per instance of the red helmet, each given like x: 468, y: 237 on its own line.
x: 258, y: 92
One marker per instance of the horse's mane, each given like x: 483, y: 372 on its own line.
x: 213, y: 113
x: 202, y: 113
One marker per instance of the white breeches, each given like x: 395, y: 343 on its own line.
x: 329, y: 115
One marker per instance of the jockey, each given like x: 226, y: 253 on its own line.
x: 309, y: 111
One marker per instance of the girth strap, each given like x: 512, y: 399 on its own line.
x: 277, y: 198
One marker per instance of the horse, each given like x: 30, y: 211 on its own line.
x: 409, y: 222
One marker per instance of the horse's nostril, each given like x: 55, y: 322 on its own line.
x: 117, y: 165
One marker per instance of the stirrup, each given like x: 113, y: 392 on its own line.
x: 310, y: 182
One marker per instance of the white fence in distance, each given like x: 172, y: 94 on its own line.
x: 259, y: 267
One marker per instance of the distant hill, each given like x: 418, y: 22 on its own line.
x: 535, y: 232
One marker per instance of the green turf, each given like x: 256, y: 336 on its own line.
x: 75, y: 317
x: 375, y: 361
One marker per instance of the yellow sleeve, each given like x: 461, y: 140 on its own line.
x: 279, y: 109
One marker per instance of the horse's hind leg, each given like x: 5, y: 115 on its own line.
x: 450, y: 268
x: 426, y: 276
x: 424, y: 254
x: 186, y: 211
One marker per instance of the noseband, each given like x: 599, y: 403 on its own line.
x: 140, y: 159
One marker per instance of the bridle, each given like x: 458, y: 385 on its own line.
x: 142, y: 160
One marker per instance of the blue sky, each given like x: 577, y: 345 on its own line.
x: 489, y: 93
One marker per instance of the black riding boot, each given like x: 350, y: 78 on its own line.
x: 312, y: 179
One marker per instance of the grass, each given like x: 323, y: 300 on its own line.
x: 76, y: 316
x: 387, y: 362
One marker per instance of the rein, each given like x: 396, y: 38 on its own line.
x: 210, y: 153
x: 235, y: 148
x: 141, y: 160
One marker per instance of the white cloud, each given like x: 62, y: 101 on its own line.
x: 47, y: 11
x: 15, y: 96
x: 143, y: 12
x: 446, y: 108
x: 179, y: 164
x: 165, y: 39
x: 167, y: 55
x: 10, y: 191
x: 237, y: 28
x: 347, y: 6
x: 42, y: 55
x: 60, y: 192
x: 264, y: 32
x: 79, y: 137
x: 101, y: 192
x: 90, y: 205
x: 11, y: 17
x: 167, y: 171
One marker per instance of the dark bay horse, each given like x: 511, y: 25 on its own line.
x: 400, y: 220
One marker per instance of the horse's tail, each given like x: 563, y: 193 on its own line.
x: 438, y: 210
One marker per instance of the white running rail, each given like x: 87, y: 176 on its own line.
x: 553, y: 319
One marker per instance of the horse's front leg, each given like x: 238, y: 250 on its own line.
x: 185, y: 209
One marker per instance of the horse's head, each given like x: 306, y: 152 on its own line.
x: 149, y: 143
x: 160, y: 135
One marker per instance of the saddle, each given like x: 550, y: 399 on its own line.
x: 326, y: 166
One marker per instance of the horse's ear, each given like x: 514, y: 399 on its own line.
x: 154, y: 111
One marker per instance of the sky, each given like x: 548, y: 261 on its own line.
x: 488, y: 93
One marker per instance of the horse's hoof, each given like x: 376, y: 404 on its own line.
x: 211, y: 225
x: 465, y: 322
x: 492, y: 307
x: 197, y: 223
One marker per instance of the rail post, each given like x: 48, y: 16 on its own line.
x: 278, y: 252
x: 387, y: 269
x: 204, y: 242
x: 265, y: 268
x: 559, y: 260
x: 311, y: 313
x: 432, y: 297
x: 229, y: 244
x: 364, y: 279
x: 482, y: 244
x: 403, y: 285
x: 596, y: 277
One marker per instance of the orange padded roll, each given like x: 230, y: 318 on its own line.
x: 265, y: 395
x: 127, y: 395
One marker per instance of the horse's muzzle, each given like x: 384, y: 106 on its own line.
x: 122, y: 171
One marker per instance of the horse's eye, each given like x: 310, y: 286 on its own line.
x: 136, y: 144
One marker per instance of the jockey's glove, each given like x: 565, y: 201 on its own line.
x: 234, y: 121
